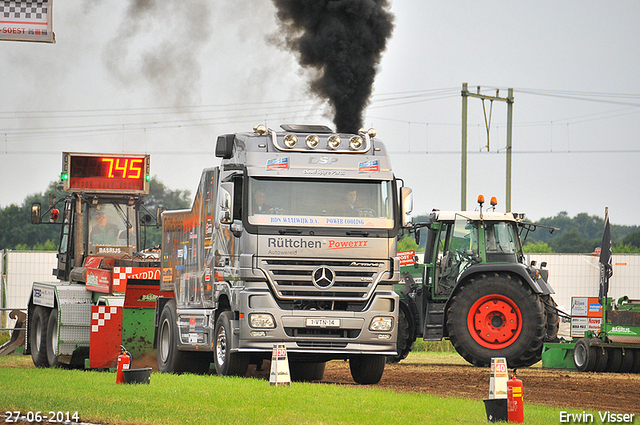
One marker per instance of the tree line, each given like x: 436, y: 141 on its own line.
x: 581, y: 234
x: 17, y: 232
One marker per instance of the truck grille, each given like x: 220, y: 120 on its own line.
x: 340, y: 280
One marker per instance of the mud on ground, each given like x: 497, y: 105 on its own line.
x: 615, y: 392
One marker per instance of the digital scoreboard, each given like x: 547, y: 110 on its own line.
x: 121, y: 173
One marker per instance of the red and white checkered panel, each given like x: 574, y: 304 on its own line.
x: 106, y: 336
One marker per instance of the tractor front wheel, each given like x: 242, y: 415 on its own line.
x: 497, y: 315
x: 406, y: 338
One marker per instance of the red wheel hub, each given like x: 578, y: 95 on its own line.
x: 494, y: 321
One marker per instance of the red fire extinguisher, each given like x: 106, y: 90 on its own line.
x: 124, y: 360
x: 515, y: 405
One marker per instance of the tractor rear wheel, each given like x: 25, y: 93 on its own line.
x: 553, y: 320
x: 496, y: 315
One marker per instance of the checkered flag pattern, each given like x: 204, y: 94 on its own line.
x: 120, y: 277
x: 24, y: 10
x: 103, y: 315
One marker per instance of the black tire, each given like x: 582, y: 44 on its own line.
x: 584, y: 355
x: 553, y: 320
x: 38, y: 336
x: 602, y: 356
x: 170, y: 359
x: 307, y: 372
x: 228, y: 363
x: 52, y: 339
x: 627, y: 361
x: 614, y: 359
x: 635, y: 368
x: 497, y: 315
x: 406, y: 339
x: 367, y: 369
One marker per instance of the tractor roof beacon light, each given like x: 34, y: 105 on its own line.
x: 480, y: 201
x: 494, y: 202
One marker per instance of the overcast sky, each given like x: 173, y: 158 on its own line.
x: 167, y: 79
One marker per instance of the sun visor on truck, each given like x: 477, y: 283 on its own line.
x: 224, y: 146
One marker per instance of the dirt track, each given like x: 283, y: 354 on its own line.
x: 615, y: 392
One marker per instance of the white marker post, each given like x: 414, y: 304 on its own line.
x: 280, y: 366
x: 498, y: 378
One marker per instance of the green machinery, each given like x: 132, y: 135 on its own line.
x: 475, y: 288
x: 613, y: 348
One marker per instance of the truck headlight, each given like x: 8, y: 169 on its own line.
x: 334, y: 142
x: 312, y: 141
x: 355, y: 142
x: 290, y: 140
x: 261, y: 320
x: 381, y: 323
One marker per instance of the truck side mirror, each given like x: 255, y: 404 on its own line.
x: 237, y: 228
x: 418, y: 236
x: 406, y: 199
x: 159, y: 212
x: 36, y: 209
x: 225, y: 207
x: 224, y: 146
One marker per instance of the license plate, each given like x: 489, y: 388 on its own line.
x: 323, y: 323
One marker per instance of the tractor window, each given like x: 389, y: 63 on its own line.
x: 112, y: 229
x: 501, y: 242
x: 459, y: 253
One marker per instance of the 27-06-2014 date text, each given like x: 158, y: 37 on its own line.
x: 49, y: 417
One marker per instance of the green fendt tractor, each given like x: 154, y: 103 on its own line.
x: 474, y: 288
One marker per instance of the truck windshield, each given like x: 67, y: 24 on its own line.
x: 112, y: 229
x: 321, y: 203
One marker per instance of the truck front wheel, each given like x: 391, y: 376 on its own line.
x: 228, y: 363
x: 495, y: 315
x: 38, y: 336
x: 367, y: 369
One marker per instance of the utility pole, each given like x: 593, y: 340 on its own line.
x: 509, y: 100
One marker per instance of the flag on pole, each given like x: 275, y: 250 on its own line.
x: 606, y: 269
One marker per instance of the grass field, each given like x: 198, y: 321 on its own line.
x: 191, y: 399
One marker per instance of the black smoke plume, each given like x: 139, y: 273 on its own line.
x: 341, y: 41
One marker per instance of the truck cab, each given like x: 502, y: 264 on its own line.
x: 291, y: 240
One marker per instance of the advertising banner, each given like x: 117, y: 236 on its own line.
x: 26, y: 21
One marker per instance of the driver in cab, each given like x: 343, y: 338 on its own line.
x: 104, y: 232
x: 350, y: 206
